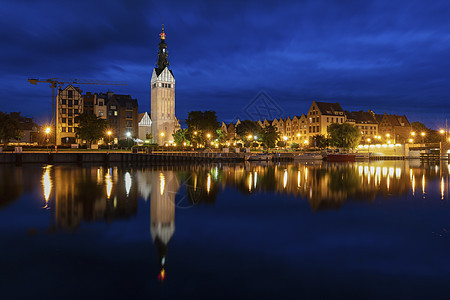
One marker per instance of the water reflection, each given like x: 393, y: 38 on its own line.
x: 80, y: 195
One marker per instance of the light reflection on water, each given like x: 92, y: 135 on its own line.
x: 81, y: 195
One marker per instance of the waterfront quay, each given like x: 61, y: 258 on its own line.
x: 126, y: 157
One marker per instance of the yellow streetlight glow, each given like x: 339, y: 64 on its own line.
x: 250, y: 137
x: 47, y: 130
x: 441, y: 131
x: 184, y: 144
x: 195, y: 132
x: 422, y: 133
x: 285, y: 138
x: 208, y: 135
x: 109, y: 132
x: 162, y: 133
x: 298, y: 134
x: 369, y: 140
x: 410, y: 140
x: 388, y: 135
x: 413, y: 133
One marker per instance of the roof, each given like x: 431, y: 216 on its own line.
x: 395, y: 120
x: 159, y: 71
x: 362, y: 117
x: 329, y: 108
x: 140, y: 116
x: 122, y: 100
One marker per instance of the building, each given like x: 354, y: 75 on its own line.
x: 30, y: 130
x: 366, y: 122
x: 164, y: 122
x: 321, y: 115
x: 69, y: 107
x: 394, y: 126
x: 94, y: 105
x: 122, y: 115
x: 144, y: 127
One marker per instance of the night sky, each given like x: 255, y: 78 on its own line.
x: 388, y: 56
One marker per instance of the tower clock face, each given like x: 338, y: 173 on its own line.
x: 164, y: 50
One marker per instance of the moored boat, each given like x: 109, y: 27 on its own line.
x: 309, y: 156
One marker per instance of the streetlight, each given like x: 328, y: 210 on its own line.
x: 195, y: 132
x: 47, y: 132
x: 422, y: 134
x: 109, y: 139
x: 208, y: 135
x: 128, y: 134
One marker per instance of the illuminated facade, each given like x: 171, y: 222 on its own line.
x: 69, y: 107
x: 162, y: 84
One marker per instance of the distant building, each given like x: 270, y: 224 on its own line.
x: 29, y: 129
x: 122, y: 114
x: 398, y: 127
x: 94, y: 105
x: 69, y: 107
x: 144, y: 126
x: 366, y: 123
x: 164, y: 122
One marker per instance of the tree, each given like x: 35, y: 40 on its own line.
x: 320, y: 141
x: 91, y: 128
x: 179, y: 137
x: 221, y: 136
x: 270, y: 136
x: 9, y: 128
x: 344, y: 135
x: 246, y: 128
x: 431, y: 136
x: 200, y: 124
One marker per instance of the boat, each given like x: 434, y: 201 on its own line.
x: 308, y: 156
x: 258, y: 157
x: 345, y: 157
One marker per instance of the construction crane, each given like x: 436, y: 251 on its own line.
x: 55, y: 81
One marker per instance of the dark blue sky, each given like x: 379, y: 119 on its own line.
x: 391, y: 56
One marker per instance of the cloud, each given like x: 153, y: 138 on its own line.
x: 388, y: 56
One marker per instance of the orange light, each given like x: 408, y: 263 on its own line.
x: 162, y: 275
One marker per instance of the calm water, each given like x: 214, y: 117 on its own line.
x: 363, y: 230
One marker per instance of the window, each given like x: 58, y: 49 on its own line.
x: 64, y: 111
x: 69, y: 94
x: 309, y: 129
x: 331, y: 120
x: 129, y: 114
x: 110, y: 113
x: 342, y: 120
x: 115, y: 113
x: 63, y: 129
x: 75, y: 111
x: 63, y: 120
x: 328, y: 120
x: 100, y: 103
x: 70, y: 112
x: 112, y: 107
x: 63, y: 102
x: 75, y: 102
x: 70, y: 103
x: 70, y: 122
x: 314, y: 128
x: 69, y: 129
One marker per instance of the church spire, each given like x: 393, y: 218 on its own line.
x: 162, y: 54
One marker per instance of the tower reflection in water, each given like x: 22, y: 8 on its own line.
x: 77, y: 195
x: 164, y: 187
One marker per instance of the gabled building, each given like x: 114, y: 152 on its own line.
x: 69, y: 107
x: 365, y: 121
x: 164, y: 122
x: 397, y: 127
x: 321, y: 115
x: 144, y: 126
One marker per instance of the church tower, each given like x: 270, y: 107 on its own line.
x: 164, y: 122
